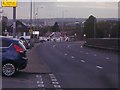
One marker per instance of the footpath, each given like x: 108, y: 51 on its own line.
x: 35, y: 63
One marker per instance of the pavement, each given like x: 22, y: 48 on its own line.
x: 35, y: 63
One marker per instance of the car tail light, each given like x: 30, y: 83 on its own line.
x: 18, y: 49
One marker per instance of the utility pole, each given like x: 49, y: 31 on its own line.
x: 14, y: 22
x: 30, y: 22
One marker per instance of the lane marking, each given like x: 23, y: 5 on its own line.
x: 55, y: 83
x: 107, y: 58
x: 81, y: 46
x: 72, y: 57
x: 57, y: 86
x: 87, y: 53
x: 53, y: 46
x: 41, y: 85
x: 83, y: 61
x: 65, y: 54
x: 68, y: 46
x: 99, y: 67
x: 95, y: 54
x: 54, y: 80
x: 40, y: 82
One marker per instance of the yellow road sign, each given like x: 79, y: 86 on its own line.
x: 9, y: 3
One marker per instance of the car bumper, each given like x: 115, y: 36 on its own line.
x: 23, y: 63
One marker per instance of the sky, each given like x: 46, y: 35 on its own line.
x: 65, y: 9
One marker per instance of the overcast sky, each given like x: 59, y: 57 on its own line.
x: 65, y: 8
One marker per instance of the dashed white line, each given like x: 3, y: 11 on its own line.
x: 72, y: 57
x: 41, y: 85
x: 107, y: 58
x: 55, y: 82
x: 40, y: 82
x: 95, y: 54
x: 81, y: 46
x: 99, y: 67
x: 68, y: 46
x: 57, y: 86
x: 53, y: 46
x: 65, y: 54
x: 83, y: 61
x: 87, y: 53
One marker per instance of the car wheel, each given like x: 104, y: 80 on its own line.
x: 8, y: 69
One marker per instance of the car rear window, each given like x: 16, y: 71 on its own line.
x: 5, y: 43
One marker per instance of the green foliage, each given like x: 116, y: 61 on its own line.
x: 55, y: 28
x: 89, y: 26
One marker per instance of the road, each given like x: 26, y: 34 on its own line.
x: 72, y: 66
x: 76, y: 66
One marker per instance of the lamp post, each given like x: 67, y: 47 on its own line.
x: 63, y: 16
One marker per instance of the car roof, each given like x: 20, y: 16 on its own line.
x: 9, y: 39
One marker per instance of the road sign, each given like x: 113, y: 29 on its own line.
x: 9, y: 3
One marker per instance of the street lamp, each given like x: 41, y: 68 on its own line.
x: 63, y: 16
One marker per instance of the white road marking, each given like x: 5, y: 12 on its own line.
x: 55, y: 82
x: 107, y: 58
x: 83, y: 61
x: 40, y: 82
x: 53, y: 46
x: 37, y: 76
x: 72, y: 57
x: 95, y: 54
x: 99, y: 67
x: 57, y: 86
x: 68, y: 46
x: 65, y: 54
x: 81, y: 46
x: 41, y: 85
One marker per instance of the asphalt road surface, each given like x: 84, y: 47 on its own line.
x: 76, y: 66
x: 72, y: 66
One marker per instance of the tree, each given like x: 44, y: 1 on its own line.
x: 4, y: 24
x: 55, y: 28
x: 89, y: 27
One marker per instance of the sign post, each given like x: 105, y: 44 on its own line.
x: 11, y: 3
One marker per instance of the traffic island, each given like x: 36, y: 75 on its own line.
x: 35, y: 63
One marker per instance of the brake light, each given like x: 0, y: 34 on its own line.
x: 18, y: 49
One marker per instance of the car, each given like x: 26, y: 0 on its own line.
x: 13, y: 56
